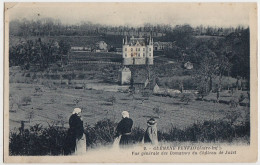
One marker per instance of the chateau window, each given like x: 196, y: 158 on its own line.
x: 131, y: 49
x: 125, y: 55
x: 125, y: 49
x: 143, y: 54
x: 143, y: 49
x: 131, y: 54
x: 138, y: 54
x: 138, y: 49
x: 150, y: 54
x: 150, y: 49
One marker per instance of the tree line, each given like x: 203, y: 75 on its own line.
x: 30, y: 53
x: 53, y: 27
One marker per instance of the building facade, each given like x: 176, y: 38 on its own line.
x: 160, y: 46
x: 101, y: 46
x: 124, y: 76
x: 137, y: 51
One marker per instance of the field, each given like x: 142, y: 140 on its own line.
x: 53, y: 105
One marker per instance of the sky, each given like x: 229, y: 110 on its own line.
x: 136, y: 14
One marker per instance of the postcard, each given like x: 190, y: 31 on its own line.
x: 150, y: 82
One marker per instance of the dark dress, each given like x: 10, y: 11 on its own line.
x: 75, y: 132
x: 124, y: 129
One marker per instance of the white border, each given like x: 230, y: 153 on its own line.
x: 2, y: 49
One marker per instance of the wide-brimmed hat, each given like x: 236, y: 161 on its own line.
x: 151, y: 121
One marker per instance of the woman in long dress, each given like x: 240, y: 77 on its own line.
x: 123, y: 130
x: 76, y: 139
x: 150, y: 136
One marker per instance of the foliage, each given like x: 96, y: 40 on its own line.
x: 77, y: 100
x: 112, y: 100
x: 186, y: 98
x: 64, y: 47
x: 30, y: 115
x: 102, y: 133
x: 31, y: 53
x: 50, y: 141
x: 37, y: 141
x: 157, y: 110
x: 26, y: 100
x: 208, y: 131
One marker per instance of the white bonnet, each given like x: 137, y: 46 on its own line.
x: 76, y: 111
x: 125, y: 114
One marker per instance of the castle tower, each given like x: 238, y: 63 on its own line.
x: 126, y: 53
x: 149, y: 53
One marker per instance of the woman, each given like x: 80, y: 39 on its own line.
x: 124, y: 130
x: 76, y: 140
x: 150, y: 135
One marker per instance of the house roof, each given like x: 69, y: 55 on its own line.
x: 125, y: 69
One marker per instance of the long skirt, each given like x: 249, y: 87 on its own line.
x: 81, y: 146
x: 125, y: 141
x: 116, y: 142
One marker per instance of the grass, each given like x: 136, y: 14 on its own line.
x: 94, y: 104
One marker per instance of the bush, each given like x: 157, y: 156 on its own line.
x: 208, y: 131
x: 26, y: 100
x: 37, y: 141
x: 50, y: 141
x: 111, y: 99
x: 186, y: 98
x: 81, y: 76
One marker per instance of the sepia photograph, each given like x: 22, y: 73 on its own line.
x: 130, y: 82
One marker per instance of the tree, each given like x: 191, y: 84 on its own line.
x: 238, y: 53
x: 30, y: 115
x: 223, y: 66
x: 206, y: 73
x: 77, y: 100
x: 186, y: 98
x: 64, y: 47
x: 112, y: 100
x: 27, y: 99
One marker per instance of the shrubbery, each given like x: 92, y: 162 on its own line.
x: 50, y: 141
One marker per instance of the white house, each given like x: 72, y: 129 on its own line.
x: 137, y: 51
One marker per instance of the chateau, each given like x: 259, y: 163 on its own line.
x: 137, y: 51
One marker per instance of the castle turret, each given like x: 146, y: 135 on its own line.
x: 149, y: 53
x: 150, y: 41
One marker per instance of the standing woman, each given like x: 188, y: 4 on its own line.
x: 123, y: 129
x: 150, y: 135
x: 76, y: 140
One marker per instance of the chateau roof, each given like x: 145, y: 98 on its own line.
x: 136, y: 41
